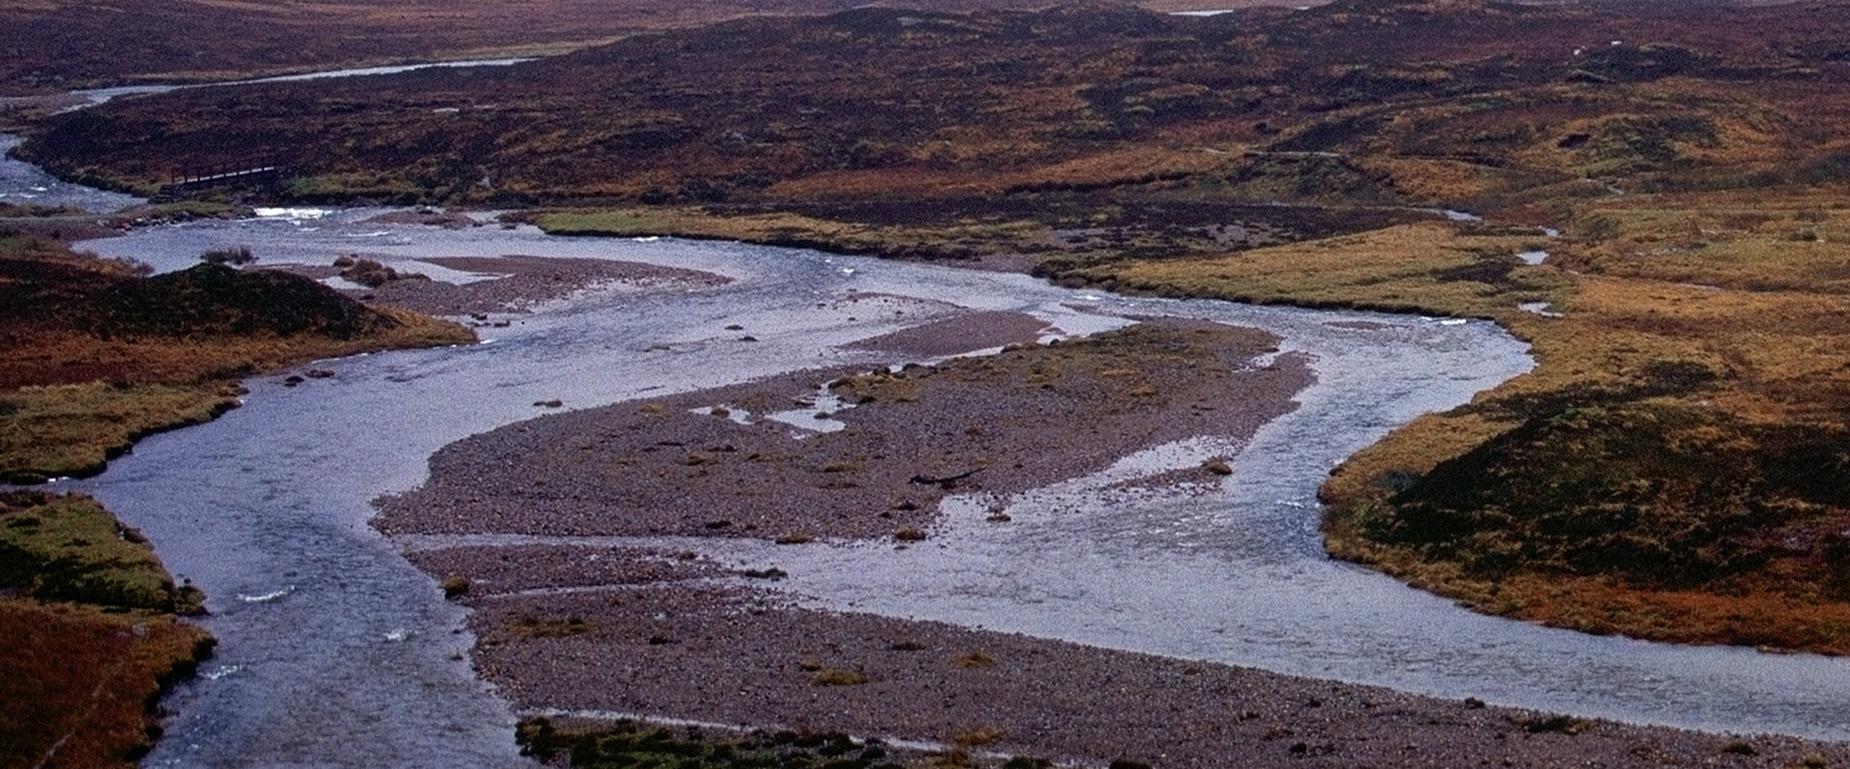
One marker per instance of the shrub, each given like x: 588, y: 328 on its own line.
x: 234, y: 256
x: 455, y: 586
x: 837, y: 677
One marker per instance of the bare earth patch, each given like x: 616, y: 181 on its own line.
x: 529, y: 280
x: 961, y: 334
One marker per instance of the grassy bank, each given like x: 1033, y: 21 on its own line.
x: 100, y: 354
x: 1673, y: 469
x: 1670, y: 470
x: 1662, y: 473
x: 93, y: 635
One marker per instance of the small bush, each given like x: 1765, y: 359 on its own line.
x: 234, y: 256
x: 979, y: 736
x: 974, y: 661
x: 837, y: 677
x: 1740, y: 748
x: 1551, y: 724
x: 455, y: 586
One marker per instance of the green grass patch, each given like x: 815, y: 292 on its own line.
x: 68, y: 548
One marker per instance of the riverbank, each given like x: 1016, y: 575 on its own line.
x: 1689, y: 317
x: 100, y: 356
x: 94, y: 635
x: 387, y: 414
x: 103, y: 355
x: 734, y: 656
x: 1655, y: 344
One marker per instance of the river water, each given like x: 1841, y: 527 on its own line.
x: 336, y: 652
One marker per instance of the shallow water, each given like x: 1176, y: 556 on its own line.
x: 335, y: 651
x: 26, y: 184
x: 95, y: 96
x: 275, y: 495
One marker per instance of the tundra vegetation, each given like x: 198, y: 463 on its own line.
x: 93, y: 634
x: 58, y: 45
x: 1675, y: 468
x: 99, y: 354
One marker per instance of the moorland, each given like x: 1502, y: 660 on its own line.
x: 1658, y: 205
x: 1657, y: 189
x: 48, y: 46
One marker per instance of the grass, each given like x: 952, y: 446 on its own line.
x: 1455, y: 272
x: 77, y: 682
x: 57, y: 548
x: 553, y: 627
x: 837, y: 677
x: 73, y: 430
x: 101, y: 356
x: 1639, y: 480
x: 1666, y: 470
x: 92, y: 636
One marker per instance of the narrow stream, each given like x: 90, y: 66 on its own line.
x: 336, y: 652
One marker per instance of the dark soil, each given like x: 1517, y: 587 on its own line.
x: 961, y: 334
x: 527, y: 281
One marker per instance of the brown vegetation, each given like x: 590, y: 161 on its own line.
x: 56, y: 45
x: 92, y: 637
x: 100, y: 355
x: 1673, y: 469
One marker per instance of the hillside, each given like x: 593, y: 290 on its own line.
x: 55, y: 45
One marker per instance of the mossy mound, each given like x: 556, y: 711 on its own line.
x: 214, y: 299
x: 68, y: 548
x: 1660, y: 496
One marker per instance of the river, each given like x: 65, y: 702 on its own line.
x: 336, y: 652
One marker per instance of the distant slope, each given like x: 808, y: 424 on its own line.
x: 55, y: 45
